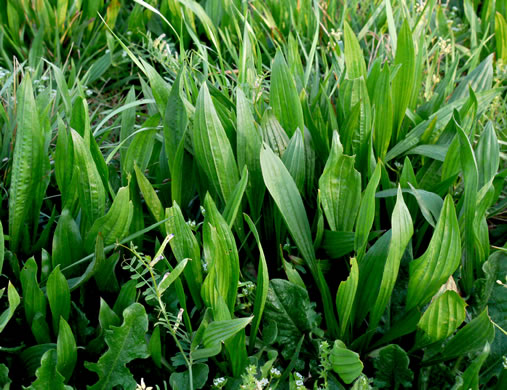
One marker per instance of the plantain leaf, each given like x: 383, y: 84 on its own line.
x: 340, y: 187
x: 149, y: 195
x: 282, y: 188
x: 115, y: 224
x: 273, y: 134
x: 57, y: 290
x: 487, y: 155
x: 249, y: 143
x: 26, y: 162
x: 67, y: 242
x: 14, y: 300
x: 470, y: 173
x: 471, y: 338
x: 184, y: 245
x: 383, y: 123
x: 92, y: 195
x: 212, y: 149
x: 345, y: 363
x: 354, y: 59
x: 66, y: 350
x: 284, y: 98
x: 219, y: 331
x: 125, y: 343
x: 403, y: 82
x: 439, y: 261
x: 262, y: 287
x: 221, y: 253
x: 442, y: 317
x: 345, y: 297
x: 366, y: 213
x: 294, y: 159
x: 470, y: 378
x: 402, y: 230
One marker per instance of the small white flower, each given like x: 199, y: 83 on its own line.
x: 263, y: 382
x: 142, y: 386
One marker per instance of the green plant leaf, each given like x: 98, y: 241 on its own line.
x: 403, y: 82
x: 249, y: 143
x: 262, y: 287
x: 442, y: 317
x: 212, y: 148
x: 125, y: 343
x: 57, y: 290
x: 221, y: 252
x: 26, y: 162
x: 92, y: 195
x: 471, y: 338
x: 487, y: 154
x: 14, y: 300
x: 184, y: 245
x: 181, y: 380
x: 439, y: 261
x: 345, y: 363
x: 34, y: 300
x: 354, y: 59
x: 47, y: 374
x: 383, y: 124
x: 402, y: 230
x: 67, y: 242
x: 115, y: 224
x: 149, y: 195
x: 284, y: 98
x: 391, y: 365
x: 366, y: 213
x: 170, y: 277
x: 282, y: 188
x: 219, y: 331
x: 340, y: 188
x: 470, y: 378
x: 288, y: 305
x: 66, y: 350
x: 345, y: 297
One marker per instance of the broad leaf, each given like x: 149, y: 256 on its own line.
x: 47, y: 374
x: 125, y: 343
x: 391, y: 364
x: 345, y: 363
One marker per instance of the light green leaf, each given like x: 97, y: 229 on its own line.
x: 262, y: 287
x: 345, y: 363
x: 441, y: 259
x: 66, y: 350
x: 354, y: 58
x: 67, y: 242
x: 57, y: 290
x: 26, y: 162
x: 212, y: 149
x: 402, y: 230
x: 14, y: 300
x: 219, y: 331
x: 442, y: 317
x: 345, y: 297
x: 284, y: 98
x: 115, y: 224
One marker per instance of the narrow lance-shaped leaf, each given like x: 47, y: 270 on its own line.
x: 249, y: 142
x: 402, y: 230
x: 14, y: 300
x: 115, y: 224
x: 212, y: 149
x: 340, y: 187
x: 184, y: 245
x: 354, y: 58
x: 366, y: 213
x: 262, y: 285
x: 282, y: 188
x: 92, y: 195
x: 403, y: 82
x: 284, y: 98
x: 439, y: 261
x: 58, y: 293
x: 469, y: 167
x: 345, y: 297
x: 66, y: 350
x: 26, y: 162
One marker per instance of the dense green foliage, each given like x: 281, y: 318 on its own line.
x: 253, y: 194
